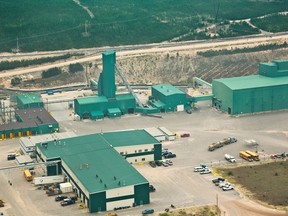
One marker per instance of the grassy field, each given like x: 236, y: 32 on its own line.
x: 267, y: 182
x: 55, y: 25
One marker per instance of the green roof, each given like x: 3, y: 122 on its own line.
x: 92, y: 100
x: 167, y: 89
x: 97, y: 150
x: 106, y: 164
x: 129, y: 137
x: 113, y: 111
x: 256, y: 81
x: 29, y: 98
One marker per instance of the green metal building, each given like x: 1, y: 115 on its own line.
x: 267, y: 91
x: 99, y: 166
x: 107, y: 103
x: 168, y: 98
x: 25, y: 101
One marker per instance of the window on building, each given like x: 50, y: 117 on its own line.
x: 135, y: 160
x: 143, y: 159
x: 140, y: 151
x: 121, y: 153
x: 146, y: 150
x: 135, y: 151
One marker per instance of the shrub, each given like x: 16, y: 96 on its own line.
x: 74, y: 68
x: 16, y: 81
x: 51, y: 72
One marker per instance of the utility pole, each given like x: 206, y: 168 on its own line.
x: 86, y: 33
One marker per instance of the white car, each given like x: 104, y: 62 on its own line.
x: 227, y: 188
x: 169, y: 162
x: 206, y: 171
x: 224, y: 184
x: 198, y: 169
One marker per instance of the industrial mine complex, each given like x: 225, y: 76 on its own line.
x: 106, y: 168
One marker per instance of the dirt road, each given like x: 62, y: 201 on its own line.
x: 129, y: 51
x: 245, y: 207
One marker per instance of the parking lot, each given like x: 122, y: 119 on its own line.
x: 177, y: 184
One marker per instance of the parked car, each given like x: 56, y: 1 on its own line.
x: 11, y: 156
x: 170, y: 162
x: 170, y: 155
x: 217, y: 180
x: 198, y: 169
x: 206, y: 171
x: 111, y: 214
x: 165, y: 151
x: 152, y: 164
x: 67, y: 201
x: 224, y: 184
x: 152, y: 188
x: 165, y: 164
x: 185, y: 135
x: 148, y: 211
x: 60, y: 198
x: 158, y: 163
x: 227, y: 188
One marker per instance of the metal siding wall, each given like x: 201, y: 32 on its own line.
x: 158, y: 151
x: 261, y: 99
x: 97, y: 202
x: 222, y: 93
x: 142, y: 194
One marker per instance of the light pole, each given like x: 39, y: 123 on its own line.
x: 47, y: 104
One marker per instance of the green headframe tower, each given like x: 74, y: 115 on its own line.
x: 106, y: 82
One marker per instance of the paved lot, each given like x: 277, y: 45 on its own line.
x: 177, y: 184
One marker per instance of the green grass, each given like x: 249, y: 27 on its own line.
x: 267, y: 182
x: 54, y: 25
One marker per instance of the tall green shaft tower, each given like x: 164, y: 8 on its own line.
x: 106, y: 82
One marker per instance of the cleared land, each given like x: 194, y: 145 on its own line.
x: 49, y: 25
x: 267, y: 182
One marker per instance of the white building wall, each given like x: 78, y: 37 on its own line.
x: 140, y: 158
x: 120, y: 203
x: 134, y: 149
x: 117, y: 192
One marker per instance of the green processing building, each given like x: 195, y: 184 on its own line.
x: 267, y: 91
x: 107, y: 103
x: 99, y: 166
x: 168, y: 98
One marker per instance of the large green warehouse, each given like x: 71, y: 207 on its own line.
x: 266, y: 91
x: 99, y: 166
